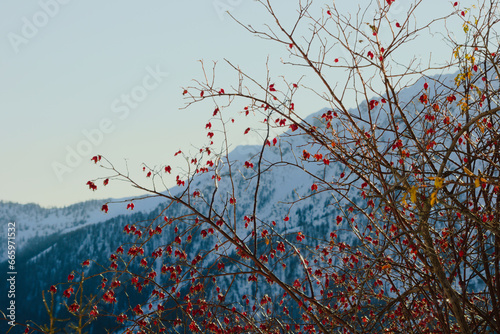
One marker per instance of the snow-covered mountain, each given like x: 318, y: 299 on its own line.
x: 35, y: 223
x: 51, y: 243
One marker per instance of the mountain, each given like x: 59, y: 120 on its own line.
x: 52, y: 243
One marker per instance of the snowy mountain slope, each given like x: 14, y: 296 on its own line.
x: 35, y: 223
x: 56, y: 241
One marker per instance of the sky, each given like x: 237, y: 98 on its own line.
x: 81, y: 78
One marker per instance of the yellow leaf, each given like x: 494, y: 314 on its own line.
x: 403, y: 201
x: 477, y: 182
x: 433, y: 198
x: 413, y: 194
x: 387, y: 266
x: 468, y: 171
x: 480, y: 126
x: 439, y: 182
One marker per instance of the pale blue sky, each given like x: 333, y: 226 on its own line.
x: 69, y: 76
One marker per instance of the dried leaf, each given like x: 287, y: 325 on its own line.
x: 413, y: 194
x: 387, y: 267
x: 433, y: 198
x: 466, y: 170
x: 403, y: 200
x: 438, y: 182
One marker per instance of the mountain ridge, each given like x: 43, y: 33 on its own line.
x: 54, y: 242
